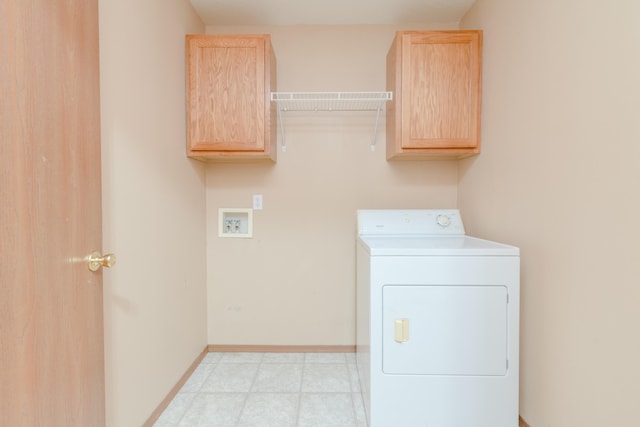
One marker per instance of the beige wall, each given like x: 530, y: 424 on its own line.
x: 293, y: 283
x: 154, y: 207
x: 559, y: 177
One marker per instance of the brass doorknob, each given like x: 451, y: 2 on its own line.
x: 96, y: 260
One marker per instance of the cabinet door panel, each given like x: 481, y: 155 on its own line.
x: 438, y: 107
x: 229, y: 79
x: 226, y: 77
x: 440, y: 86
x: 436, y: 80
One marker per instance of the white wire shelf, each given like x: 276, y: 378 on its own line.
x: 330, y: 101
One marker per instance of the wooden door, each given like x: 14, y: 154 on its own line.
x: 51, y: 313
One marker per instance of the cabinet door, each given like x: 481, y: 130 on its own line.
x: 436, y: 79
x: 228, y: 90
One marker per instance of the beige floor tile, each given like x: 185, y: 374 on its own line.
x: 245, y: 389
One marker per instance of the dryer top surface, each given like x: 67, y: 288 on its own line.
x: 422, y: 232
x: 403, y: 245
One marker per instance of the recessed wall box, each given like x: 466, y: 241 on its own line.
x: 234, y: 222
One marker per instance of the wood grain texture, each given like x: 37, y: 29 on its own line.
x: 522, y: 423
x: 229, y: 80
x: 439, y: 103
x: 436, y: 80
x: 283, y: 348
x: 51, y: 339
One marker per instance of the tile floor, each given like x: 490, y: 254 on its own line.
x: 269, y: 390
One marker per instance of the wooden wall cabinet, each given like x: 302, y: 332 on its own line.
x: 229, y: 112
x: 436, y: 79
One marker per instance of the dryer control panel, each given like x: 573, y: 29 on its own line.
x: 410, y: 222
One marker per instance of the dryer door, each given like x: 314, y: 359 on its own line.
x: 444, y: 330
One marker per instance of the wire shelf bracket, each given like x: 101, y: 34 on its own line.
x: 330, y: 101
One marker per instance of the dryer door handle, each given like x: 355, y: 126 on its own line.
x: 401, y: 330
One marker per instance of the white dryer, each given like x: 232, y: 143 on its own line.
x: 437, y: 322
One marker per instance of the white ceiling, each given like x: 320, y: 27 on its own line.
x: 329, y: 12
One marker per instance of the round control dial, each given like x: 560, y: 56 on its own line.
x: 443, y: 220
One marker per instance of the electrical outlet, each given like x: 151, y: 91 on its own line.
x: 257, y: 202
